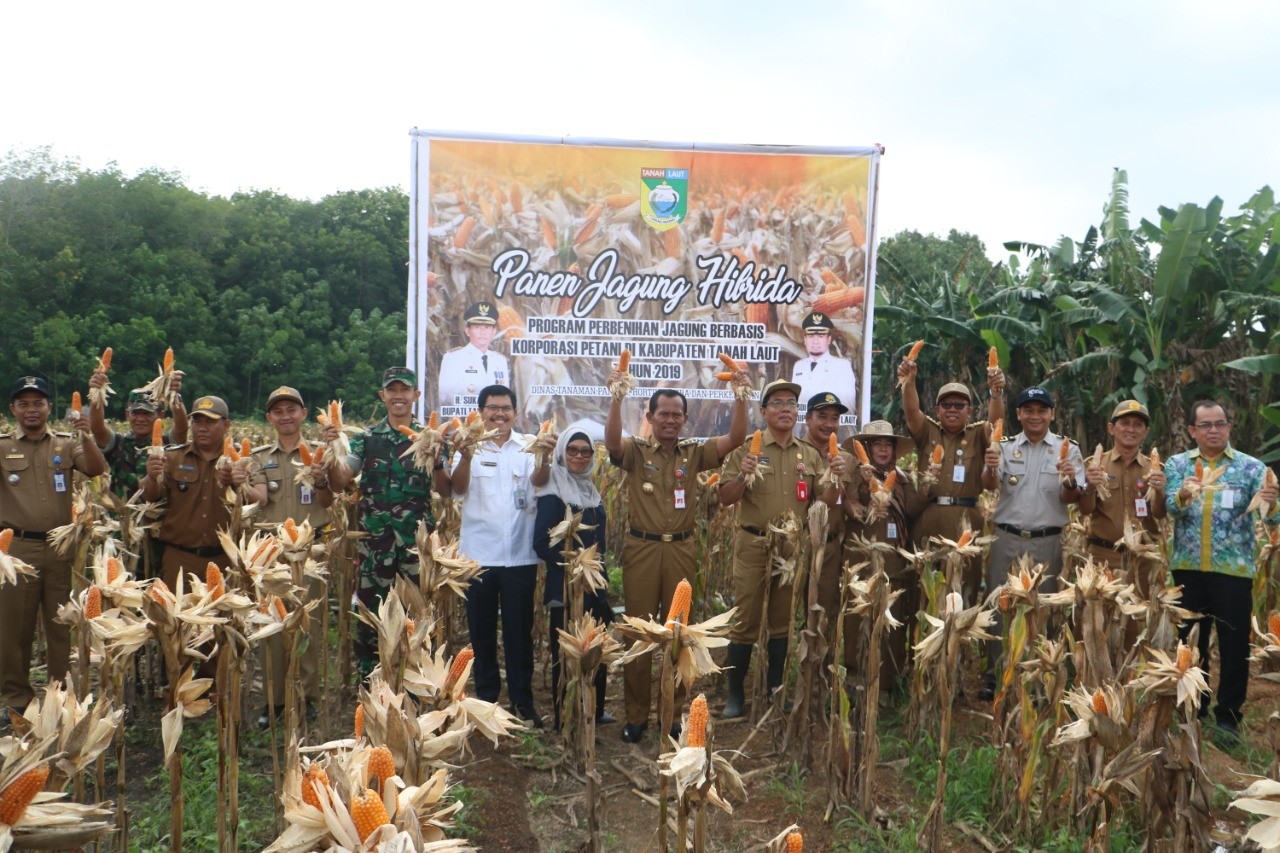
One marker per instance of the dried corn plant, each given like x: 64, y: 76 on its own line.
x: 34, y: 813
x: 840, y: 748
x: 443, y: 577
x: 702, y: 778
x: 11, y: 567
x: 784, y: 555
x: 811, y: 650
x: 1266, y: 580
x: 1093, y: 597
x: 1261, y: 797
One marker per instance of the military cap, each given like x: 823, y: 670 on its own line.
x: 816, y: 321
x: 211, y: 407
x: 826, y: 400
x: 140, y: 398
x: 481, y: 313
x: 30, y: 383
x: 400, y: 374
x: 1131, y: 407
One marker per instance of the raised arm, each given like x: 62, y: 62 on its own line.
x: 910, y: 397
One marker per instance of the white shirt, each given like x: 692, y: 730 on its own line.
x: 494, y: 532
x: 823, y: 373
x: 466, y: 370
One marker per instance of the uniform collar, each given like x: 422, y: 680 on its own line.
x: 1113, y: 455
x: 1227, y: 452
x: 22, y: 436
x: 768, y: 438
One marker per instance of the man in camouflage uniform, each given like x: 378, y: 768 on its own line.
x: 125, y: 453
x: 394, y: 497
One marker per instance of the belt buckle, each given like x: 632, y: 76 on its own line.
x: 1025, y: 534
x: 944, y: 501
x: 667, y: 537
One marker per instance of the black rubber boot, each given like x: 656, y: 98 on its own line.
x: 777, y: 649
x: 737, y: 661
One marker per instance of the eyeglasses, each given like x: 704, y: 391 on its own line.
x: 784, y: 405
x: 581, y: 452
x: 502, y: 410
x: 1208, y: 425
x: 953, y: 405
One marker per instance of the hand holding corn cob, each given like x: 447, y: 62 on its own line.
x: 1265, y: 498
x: 166, y: 386
x: 426, y: 445
x: 99, y: 384
x: 1066, y: 471
x: 471, y: 434
x: 995, y: 376
x: 1155, y: 478
x: 751, y: 469
x: 933, y: 472
x: 907, y: 369
x: 544, y: 443
x: 736, y: 375
x: 1095, y: 476
x: 881, y: 495
x: 620, y: 380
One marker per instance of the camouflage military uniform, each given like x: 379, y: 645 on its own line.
x: 394, y: 497
x: 127, y: 462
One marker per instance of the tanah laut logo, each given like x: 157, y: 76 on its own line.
x: 665, y: 201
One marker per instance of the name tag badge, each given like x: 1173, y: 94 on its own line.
x: 892, y: 531
x: 802, y: 490
x: 679, y: 498
x: 1228, y: 498
x: 520, y: 498
x: 1140, y: 507
x: 306, y: 495
x: 59, y: 481
x: 957, y: 474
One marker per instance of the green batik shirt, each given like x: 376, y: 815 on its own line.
x: 394, y: 495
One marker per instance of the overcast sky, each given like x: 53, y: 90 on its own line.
x: 1000, y: 118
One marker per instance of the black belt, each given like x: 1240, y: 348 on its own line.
x: 679, y: 536
x: 30, y: 534
x: 211, y: 551
x: 1102, y: 543
x: 754, y: 531
x: 1030, y: 534
x: 947, y: 501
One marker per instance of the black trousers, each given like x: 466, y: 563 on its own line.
x: 1226, y: 603
x: 509, y: 590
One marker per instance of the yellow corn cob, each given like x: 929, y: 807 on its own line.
x: 315, y: 776
x: 717, y: 227
x: 617, y: 201
x: 460, y: 661
x: 725, y: 376
x: 279, y: 606
x: 1100, y: 703
x: 6, y: 539
x: 76, y: 403
x: 335, y: 414
x: 1026, y: 581
x: 698, y: 722
x: 1199, y: 470
x: 93, y: 603
x: 21, y: 791
x: 1184, y: 657
x: 104, y: 363
x: 113, y: 569
x: 517, y: 200
x: 229, y: 449
x: 935, y: 458
x: 856, y: 229
x: 713, y: 479
x: 1064, y: 450
x: 914, y: 352
x: 405, y: 431
x: 795, y: 842
x: 758, y: 312
x: 624, y: 360
x: 167, y: 364
x: 368, y: 812
x: 159, y: 591
x: 408, y: 627
x: 728, y: 361
x: 213, y: 580
x: 997, y: 431
x: 833, y: 446
x: 993, y: 359
x: 757, y: 441
x: 464, y: 232
x: 359, y: 722
x: 1273, y: 624
x: 838, y: 300
x: 964, y: 539
x: 291, y: 529
x: 455, y: 423
x: 890, y: 480
x: 246, y: 448
x: 510, y: 321
x: 472, y: 416
x: 157, y: 433
x: 304, y: 453
x: 680, y: 604
x: 829, y: 276
x: 1006, y: 599
x: 319, y: 454
x: 381, y: 765
x: 673, y: 242
x: 588, y: 228
x: 861, y: 452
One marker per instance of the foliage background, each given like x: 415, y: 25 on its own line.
x: 260, y: 289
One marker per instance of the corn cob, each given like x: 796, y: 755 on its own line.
x: 459, y: 666
x: 1199, y: 470
x: 724, y: 376
x: 713, y: 479
x: 159, y: 591
x: 1100, y: 703
x: 433, y: 420
x: 77, y: 404
x: 406, y: 432
x: 757, y: 441
x: 833, y: 446
x: 517, y: 200
x: 965, y: 538
x: 914, y: 352
x: 830, y: 303
x: 1026, y: 581
x: 368, y: 812
x: 455, y: 423
x: 861, y: 452
x: 993, y: 359
x: 464, y: 232
x: 624, y: 360
x: 829, y: 276
x: 758, y: 312
x: 472, y: 416
x: 1184, y: 657
x: 113, y: 569
x: 335, y: 414
x: 1064, y: 450
x: 315, y: 776
x: 673, y: 242
x: 291, y: 529
x: 93, y: 603
x: 680, y: 604
x: 6, y: 539
x: 104, y: 363
x: 213, y: 580
x: 698, y: 722
x: 584, y: 233
x: 1155, y: 460
x: 167, y: 364
x: 381, y: 765
x: 157, y: 433
x: 997, y: 431
x: 319, y: 454
x: 728, y: 361
x: 21, y: 791
x: 1273, y: 624
x: 891, y: 480
x: 935, y: 458
x: 359, y: 722
x: 717, y: 227
x: 856, y: 229
x: 304, y: 453
x: 1006, y: 599
x: 617, y: 201
x: 279, y: 606
x: 795, y: 842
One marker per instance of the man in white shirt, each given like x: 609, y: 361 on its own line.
x: 496, y: 481
x: 821, y: 371
x: 467, y: 369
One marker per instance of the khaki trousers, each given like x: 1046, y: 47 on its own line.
x: 750, y: 575
x: 309, y: 657
x: 19, y: 605
x: 945, y: 521
x: 650, y: 573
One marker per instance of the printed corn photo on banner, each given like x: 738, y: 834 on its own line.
x: 535, y: 262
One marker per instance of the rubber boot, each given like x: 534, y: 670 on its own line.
x: 737, y: 661
x: 777, y: 649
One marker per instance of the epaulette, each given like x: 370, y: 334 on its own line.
x: 1006, y: 438
x: 62, y: 434
x: 169, y: 447
x: 689, y: 442
x: 260, y: 448
x: 641, y: 440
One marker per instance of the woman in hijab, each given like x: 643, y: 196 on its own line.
x: 571, y: 486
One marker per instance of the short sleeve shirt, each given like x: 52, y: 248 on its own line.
x: 965, y: 449
x: 654, y: 474
x: 1030, y: 491
x: 1128, y: 485
x: 286, y: 497
x: 776, y: 492
x: 196, y: 509
x: 31, y: 498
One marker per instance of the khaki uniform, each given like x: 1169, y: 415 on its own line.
x: 906, y: 504
x: 652, y: 566
x: 35, y: 496
x: 833, y: 556
x: 763, y: 502
x: 286, y: 499
x: 938, y: 518
x: 195, y: 514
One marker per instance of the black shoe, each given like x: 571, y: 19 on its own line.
x: 988, y: 691
x: 604, y: 718
x: 632, y: 733
x: 527, y: 714
x: 1226, y: 733
x: 675, y: 731
x: 264, y: 719
x: 737, y: 661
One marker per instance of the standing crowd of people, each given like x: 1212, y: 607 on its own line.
x: 510, y: 499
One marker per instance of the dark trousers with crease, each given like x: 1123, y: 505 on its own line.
x: 1225, y: 602
x: 509, y: 590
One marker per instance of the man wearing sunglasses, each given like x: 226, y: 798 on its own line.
x: 954, y: 498
x: 1213, y: 548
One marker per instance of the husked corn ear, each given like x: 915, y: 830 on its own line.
x: 833, y: 446
x: 757, y: 441
x: 1273, y: 624
x: 681, y: 601
x: 861, y: 452
x: 278, y: 605
x: 997, y: 431
x: 1100, y: 703
x: 1199, y: 470
x: 246, y: 449
x: 93, y: 603
x: 617, y: 201
x: 517, y: 199
x: 728, y: 361
x: 381, y: 765
x: 935, y: 458
x: 838, y: 300
x: 368, y: 812
x: 159, y: 591
x: 713, y: 479
x: 77, y: 404
x: 454, y: 423
x: 464, y: 232
x: 405, y: 431
x: 460, y: 661
x: 291, y: 529
x: 795, y: 842
x: 1064, y: 450
x: 758, y: 312
x: 510, y: 321
x: 993, y: 359
x: 433, y: 420
x: 890, y: 480
x: 1184, y: 657
x: 314, y: 776
x: 698, y: 722
x: 965, y: 538
x: 6, y: 539
x: 104, y: 363
x: 856, y: 229
x: 725, y: 376
x: 213, y: 580
x: 359, y: 721
x: 548, y: 234
x: 21, y: 791
x: 1006, y: 599
x: 167, y: 365
x: 304, y: 453
x: 113, y: 569
x: 624, y: 360
x: 472, y: 416
x: 673, y: 242
x: 319, y: 454
x: 229, y: 449
x: 157, y: 433
x: 914, y: 352
x: 335, y: 414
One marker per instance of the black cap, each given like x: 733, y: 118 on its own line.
x: 1034, y: 394
x: 816, y: 321
x: 481, y: 313
x: 30, y: 383
x: 826, y: 400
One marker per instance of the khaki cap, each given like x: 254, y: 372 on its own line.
x: 1131, y: 407
x: 778, y: 385
x: 953, y: 388
x: 211, y: 407
x: 284, y: 392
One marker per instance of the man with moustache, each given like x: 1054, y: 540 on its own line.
x: 496, y: 482
x: 280, y: 463
x: 394, y: 497
x: 954, y: 498
x: 658, y: 551
x: 35, y: 497
x: 1213, y: 549
x: 819, y: 370
x: 124, y: 452
x: 1031, y: 511
x: 467, y: 369
x: 789, y: 478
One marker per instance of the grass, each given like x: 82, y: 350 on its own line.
x: 468, y: 821
x: 791, y: 786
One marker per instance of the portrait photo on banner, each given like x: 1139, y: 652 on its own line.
x: 535, y: 263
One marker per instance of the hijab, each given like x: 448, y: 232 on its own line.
x: 574, y: 489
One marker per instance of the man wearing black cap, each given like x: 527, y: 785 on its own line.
x: 35, y: 496
x: 467, y: 369
x: 1029, y: 472
x: 821, y: 420
x: 394, y: 497
x: 820, y: 370
x: 124, y: 453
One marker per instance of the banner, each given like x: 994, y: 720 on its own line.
x: 535, y: 262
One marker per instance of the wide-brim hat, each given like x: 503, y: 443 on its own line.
x: 883, y: 429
